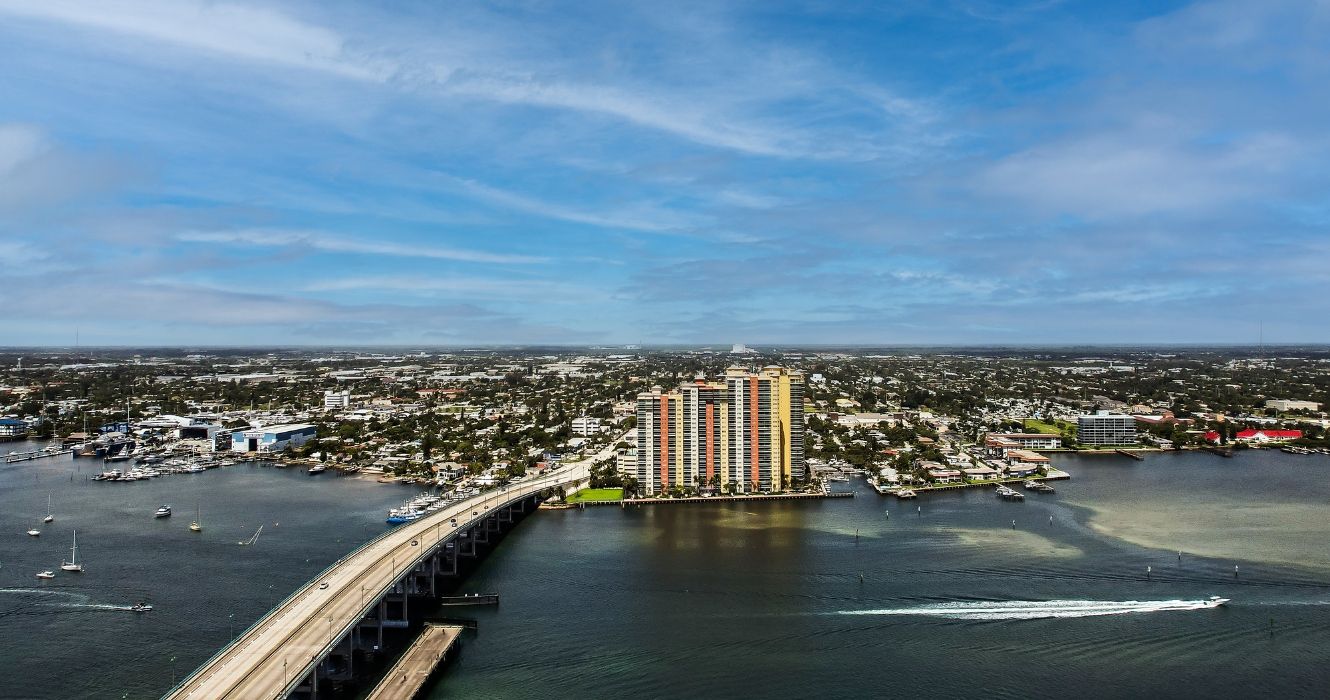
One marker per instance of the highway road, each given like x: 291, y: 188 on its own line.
x: 270, y: 658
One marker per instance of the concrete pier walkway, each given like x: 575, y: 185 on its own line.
x: 409, y: 674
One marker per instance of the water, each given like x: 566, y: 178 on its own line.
x: 767, y: 600
x: 774, y: 600
x: 74, y: 637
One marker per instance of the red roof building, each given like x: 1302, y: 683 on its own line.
x: 1268, y: 435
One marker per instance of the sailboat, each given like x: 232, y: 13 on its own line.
x: 73, y: 563
x: 197, y: 525
x: 48, y: 517
x: 254, y: 538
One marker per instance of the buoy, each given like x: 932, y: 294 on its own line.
x: 1013, y: 524
x: 887, y: 513
x: 1235, y: 571
x: 1050, y: 520
x: 1147, y: 573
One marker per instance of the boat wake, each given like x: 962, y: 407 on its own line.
x: 71, y: 601
x: 1036, y: 610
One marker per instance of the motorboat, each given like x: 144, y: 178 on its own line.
x: 1041, y: 487
x: 316, y: 469
x: 1215, y: 601
x: 163, y: 512
x: 140, y: 607
x: 906, y: 493
x: 34, y: 532
x: 405, y: 515
x: 45, y: 574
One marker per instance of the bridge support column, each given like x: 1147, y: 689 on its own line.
x: 383, y: 613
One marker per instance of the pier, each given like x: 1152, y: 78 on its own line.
x: 406, y: 678
x: 470, y: 599
x: 1133, y: 455
x: 313, y: 644
x: 34, y: 454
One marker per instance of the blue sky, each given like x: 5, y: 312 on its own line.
x: 967, y: 171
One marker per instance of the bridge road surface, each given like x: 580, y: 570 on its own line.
x: 270, y: 658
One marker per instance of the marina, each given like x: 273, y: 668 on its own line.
x: 913, y: 490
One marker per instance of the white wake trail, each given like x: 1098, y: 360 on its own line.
x: 1034, y: 610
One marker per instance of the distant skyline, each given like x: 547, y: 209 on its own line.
x: 964, y: 172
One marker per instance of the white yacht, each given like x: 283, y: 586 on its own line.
x: 163, y: 512
x: 46, y: 574
x: 34, y: 532
x: 73, y: 563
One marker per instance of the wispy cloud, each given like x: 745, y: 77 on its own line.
x: 327, y: 243
x: 239, y: 31
x: 640, y: 217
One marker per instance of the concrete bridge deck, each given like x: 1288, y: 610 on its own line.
x: 409, y: 674
x: 284, y: 648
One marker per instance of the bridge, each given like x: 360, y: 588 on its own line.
x: 314, y: 634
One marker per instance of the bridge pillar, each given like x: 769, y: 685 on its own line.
x: 383, y: 613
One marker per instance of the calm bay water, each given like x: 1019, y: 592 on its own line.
x: 785, y: 600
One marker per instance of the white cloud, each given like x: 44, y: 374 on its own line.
x: 336, y: 244
x: 638, y: 218
x: 1135, y: 173
x: 239, y: 31
x: 474, y: 287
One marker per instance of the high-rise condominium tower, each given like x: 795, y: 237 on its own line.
x: 747, y: 432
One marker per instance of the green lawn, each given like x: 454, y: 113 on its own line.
x: 596, y: 496
x: 1039, y: 426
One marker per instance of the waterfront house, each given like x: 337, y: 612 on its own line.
x: 980, y: 473
x: 944, y: 476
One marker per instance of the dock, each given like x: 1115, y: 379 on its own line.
x: 470, y: 599
x: 1133, y: 455
x: 34, y: 454
x: 407, y: 677
x: 1053, y: 475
